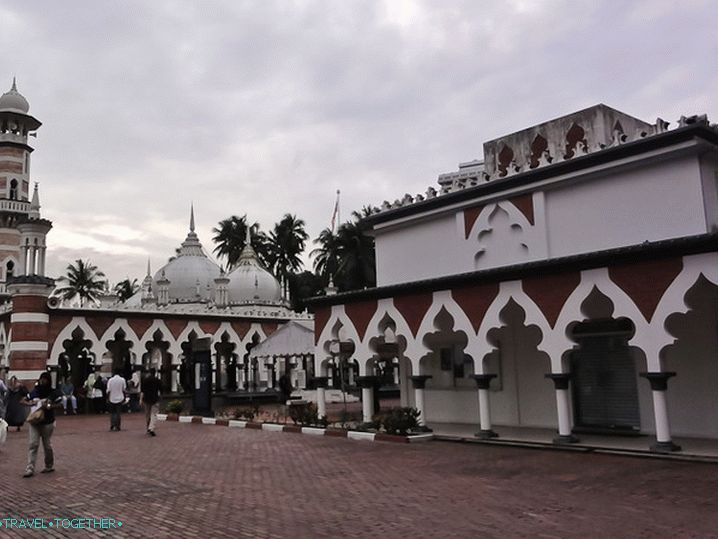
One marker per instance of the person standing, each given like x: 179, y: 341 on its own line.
x: 116, y: 391
x: 150, y: 397
x: 16, y: 409
x: 133, y: 391
x: 43, y: 396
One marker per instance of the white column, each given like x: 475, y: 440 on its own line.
x: 419, y: 402
x: 321, y: 403
x: 270, y: 382
x: 660, y: 410
x: 23, y: 260
x: 173, y: 377
x: 367, y: 397
x: 659, y: 386
x: 563, y: 408
x: 33, y: 258
x: 41, y: 262
x: 483, y: 382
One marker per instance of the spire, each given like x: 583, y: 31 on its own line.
x: 191, y: 245
x: 35, y: 204
x: 149, y: 271
x: 248, y: 254
x: 14, y: 85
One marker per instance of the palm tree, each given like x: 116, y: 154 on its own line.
x: 287, y: 240
x: 230, y: 236
x: 326, y: 256
x: 357, y: 268
x: 83, y: 280
x: 126, y: 289
x: 347, y: 255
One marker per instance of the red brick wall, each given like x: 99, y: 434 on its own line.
x: 9, y: 151
x: 29, y: 304
x: 11, y: 166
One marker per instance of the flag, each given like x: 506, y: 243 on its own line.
x: 335, y: 215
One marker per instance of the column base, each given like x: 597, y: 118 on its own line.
x: 486, y: 434
x: 562, y: 439
x: 665, y: 447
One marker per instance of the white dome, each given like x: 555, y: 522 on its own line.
x: 191, y: 274
x: 249, y: 282
x: 191, y: 278
x: 14, y: 101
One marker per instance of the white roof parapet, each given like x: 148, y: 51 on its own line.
x: 584, y: 132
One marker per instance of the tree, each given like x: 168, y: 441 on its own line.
x: 83, y: 280
x: 287, y: 240
x: 230, y: 236
x: 126, y: 289
x: 326, y: 256
x: 302, y: 286
x: 347, y: 255
x: 355, y: 250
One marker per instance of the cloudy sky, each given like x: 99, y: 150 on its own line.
x: 269, y: 107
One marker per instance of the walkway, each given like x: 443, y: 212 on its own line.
x: 206, y: 481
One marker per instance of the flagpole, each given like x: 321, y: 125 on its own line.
x: 339, y: 210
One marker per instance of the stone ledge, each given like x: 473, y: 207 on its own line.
x: 298, y: 429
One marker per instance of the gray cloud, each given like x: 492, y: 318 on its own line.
x: 269, y: 107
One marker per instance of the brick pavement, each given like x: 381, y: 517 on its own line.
x: 206, y: 481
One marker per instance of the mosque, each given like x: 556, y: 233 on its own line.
x: 566, y: 282
x: 189, y: 298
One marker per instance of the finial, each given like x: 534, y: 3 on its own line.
x: 148, y: 267
x: 249, y: 235
x: 14, y: 85
x: 191, y: 217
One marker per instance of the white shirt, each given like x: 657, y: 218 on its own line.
x: 116, y: 389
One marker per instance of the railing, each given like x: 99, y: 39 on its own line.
x: 20, y: 206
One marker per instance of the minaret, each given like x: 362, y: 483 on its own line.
x: 15, y: 127
x: 30, y: 290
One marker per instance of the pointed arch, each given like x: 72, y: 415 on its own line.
x: 66, y: 333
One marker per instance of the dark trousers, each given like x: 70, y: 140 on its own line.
x: 115, y: 410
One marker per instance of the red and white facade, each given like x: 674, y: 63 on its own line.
x: 567, y: 281
x: 190, y: 298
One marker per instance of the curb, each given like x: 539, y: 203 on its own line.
x: 581, y: 448
x: 298, y: 429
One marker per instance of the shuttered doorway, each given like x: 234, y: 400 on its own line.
x: 605, y: 388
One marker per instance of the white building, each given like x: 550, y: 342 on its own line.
x: 571, y: 276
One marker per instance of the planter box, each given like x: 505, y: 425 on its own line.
x: 293, y: 428
x: 172, y: 417
x: 237, y: 424
x: 274, y: 427
x: 356, y: 435
x: 316, y: 431
x: 222, y: 422
x: 209, y: 421
x: 340, y: 433
x: 197, y: 420
x: 253, y: 425
x: 185, y: 419
x: 161, y: 417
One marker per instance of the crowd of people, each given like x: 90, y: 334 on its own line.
x: 37, y: 407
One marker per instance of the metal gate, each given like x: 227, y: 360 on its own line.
x: 605, y: 389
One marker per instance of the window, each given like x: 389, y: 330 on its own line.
x: 13, y: 190
x: 9, y: 269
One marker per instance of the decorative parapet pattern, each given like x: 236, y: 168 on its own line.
x: 585, y: 132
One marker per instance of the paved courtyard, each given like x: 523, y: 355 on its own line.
x: 210, y: 481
